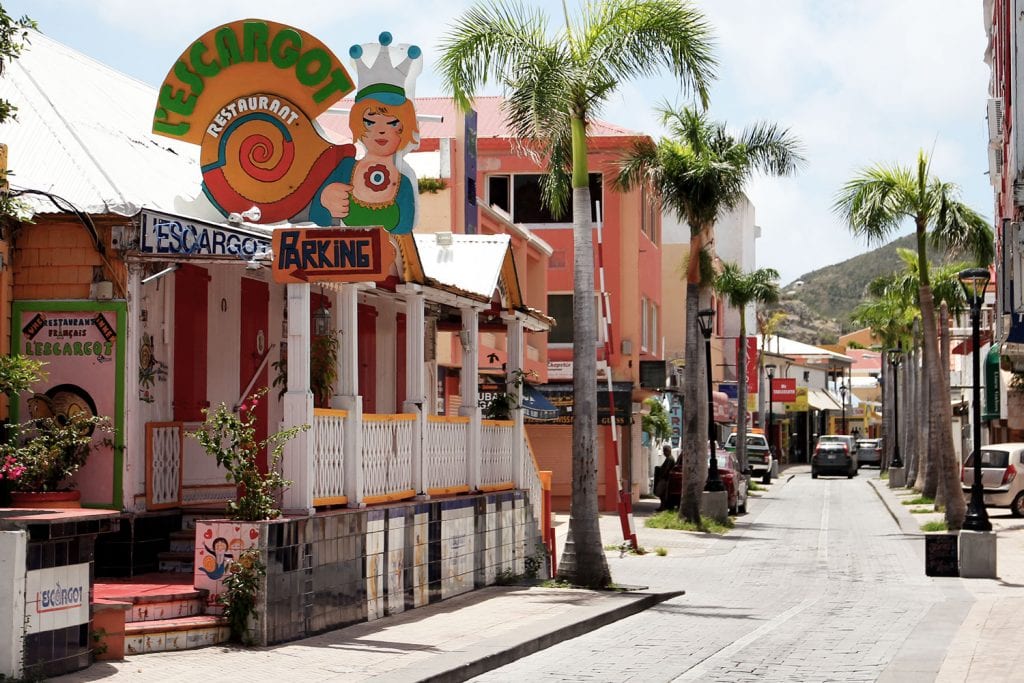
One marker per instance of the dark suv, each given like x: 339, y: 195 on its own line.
x: 833, y: 457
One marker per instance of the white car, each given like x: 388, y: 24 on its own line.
x: 1002, y: 476
x: 759, y: 456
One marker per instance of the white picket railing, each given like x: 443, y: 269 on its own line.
x: 329, y: 456
x: 496, y: 451
x: 531, y: 482
x: 445, y: 454
x: 387, y: 457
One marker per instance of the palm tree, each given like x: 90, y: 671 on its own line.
x: 699, y: 172
x: 740, y: 289
x: 555, y: 83
x: 874, y: 204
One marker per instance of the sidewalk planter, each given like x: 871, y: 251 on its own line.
x: 46, y: 500
x: 343, y: 567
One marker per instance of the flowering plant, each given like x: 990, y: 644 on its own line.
x: 241, y: 587
x: 231, y: 438
x: 42, y: 454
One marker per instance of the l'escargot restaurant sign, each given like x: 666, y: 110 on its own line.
x: 56, y: 597
x: 331, y: 255
x: 169, y: 235
x: 249, y: 93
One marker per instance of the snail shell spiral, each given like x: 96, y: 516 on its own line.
x: 265, y: 152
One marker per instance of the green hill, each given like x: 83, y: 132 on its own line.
x: 819, y: 303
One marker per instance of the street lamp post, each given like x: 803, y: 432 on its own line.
x: 974, y: 281
x: 769, y: 370
x: 704, y: 318
x: 895, y: 358
x: 842, y: 396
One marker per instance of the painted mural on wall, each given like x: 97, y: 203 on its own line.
x: 80, y: 344
x: 219, y: 544
x: 249, y: 92
x: 151, y: 370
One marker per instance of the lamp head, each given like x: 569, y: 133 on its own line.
x: 770, y: 370
x: 974, y: 281
x: 895, y: 356
x: 705, y: 316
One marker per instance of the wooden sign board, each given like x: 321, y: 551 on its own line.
x: 331, y: 255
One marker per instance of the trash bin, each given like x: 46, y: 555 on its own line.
x: 941, y: 555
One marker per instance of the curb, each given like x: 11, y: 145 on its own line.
x: 500, y: 654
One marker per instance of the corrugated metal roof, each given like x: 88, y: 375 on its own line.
x: 472, y: 263
x: 83, y: 133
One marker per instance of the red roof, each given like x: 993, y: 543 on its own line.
x: 490, y: 120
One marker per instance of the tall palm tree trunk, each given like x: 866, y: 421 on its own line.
x: 583, y: 557
x: 943, y: 455
x: 741, y: 394
x: 942, y: 485
x: 694, y: 427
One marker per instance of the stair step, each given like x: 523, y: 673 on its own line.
x: 153, y: 596
x: 183, y: 541
x: 184, y: 633
x: 176, y: 561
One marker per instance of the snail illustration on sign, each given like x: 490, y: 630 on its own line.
x: 249, y: 93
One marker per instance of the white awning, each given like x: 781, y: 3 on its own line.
x: 821, y: 400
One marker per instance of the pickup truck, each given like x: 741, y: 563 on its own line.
x: 759, y: 457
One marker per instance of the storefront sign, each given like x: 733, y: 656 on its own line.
x: 560, y: 397
x: 54, y: 591
x: 168, y: 235
x: 81, y: 343
x: 331, y: 255
x: 249, y: 94
x: 799, y: 403
x: 784, y: 389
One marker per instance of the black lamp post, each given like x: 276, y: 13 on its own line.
x: 842, y: 396
x: 974, y: 281
x: 895, y: 358
x: 704, y: 318
x: 769, y: 370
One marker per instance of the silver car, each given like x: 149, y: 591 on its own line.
x: 1000, y: 465
x: 869, y: 452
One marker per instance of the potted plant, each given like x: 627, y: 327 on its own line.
x: 41, y: 455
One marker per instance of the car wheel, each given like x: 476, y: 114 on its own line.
x: 743, y: 508
x: 1017, y: 506
x: 814, y: 473
x: 732, y: 510
x: 849, y: 475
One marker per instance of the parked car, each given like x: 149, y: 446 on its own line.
x: 728, y: 472
x: 869, y: 452
x: 1000, y: 465
x: 833, y: 457
x: 759, y: 456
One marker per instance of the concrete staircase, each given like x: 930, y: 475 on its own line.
x: 159, y: 611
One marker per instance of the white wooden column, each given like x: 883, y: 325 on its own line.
x: 514, y: 344
x: 469, y: 338
x: 415, y: 375
x: 299, y: 465
x: 134, y: 455
x: 348, y: 388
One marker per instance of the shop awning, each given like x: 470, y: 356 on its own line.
x: 967, y: 345
x: 821, y: 400
x: 536, y: 406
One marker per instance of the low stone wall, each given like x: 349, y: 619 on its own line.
x: 343, y: 567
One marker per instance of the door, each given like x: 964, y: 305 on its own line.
x: 368, y: 357
x: 253, y: 349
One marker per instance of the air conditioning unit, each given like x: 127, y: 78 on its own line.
x: 995, y: 164
x: 995, y: 119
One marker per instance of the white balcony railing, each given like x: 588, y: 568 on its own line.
x: 445, y: 454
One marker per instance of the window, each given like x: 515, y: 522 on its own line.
x: 652, y: 323
x: 644, y: 341
x: 560, y: 308
x: 520, y: 196
x: 650, y: 219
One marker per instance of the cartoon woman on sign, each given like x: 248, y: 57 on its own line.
x: 378, y: 188
x: 215, y: 565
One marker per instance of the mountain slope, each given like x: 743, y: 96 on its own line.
x: 818, y: 305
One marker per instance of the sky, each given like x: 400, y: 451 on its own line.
x: 859, y: 82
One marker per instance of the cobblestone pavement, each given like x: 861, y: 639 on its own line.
x: 823, y: 580
x: 820, y: 582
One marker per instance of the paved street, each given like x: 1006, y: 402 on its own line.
x: 822, y: 581
x: 817, y: 583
